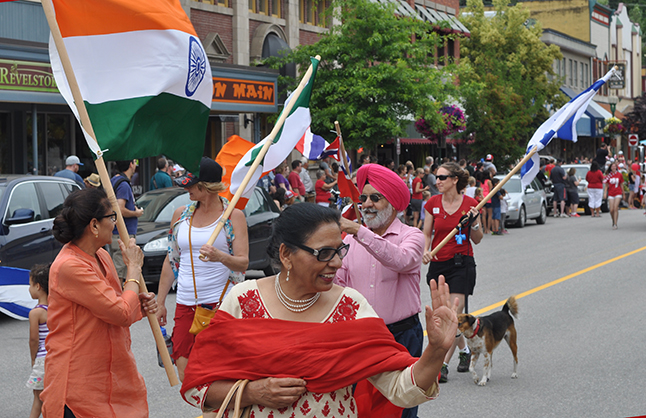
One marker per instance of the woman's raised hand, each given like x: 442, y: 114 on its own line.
x: 442, y: 318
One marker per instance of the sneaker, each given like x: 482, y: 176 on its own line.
x: 563, y: 215
x: 556, y: 215
x: 465, y: 361
x: 444, y: 373
x: 576, y: 215
x: 505, y: 232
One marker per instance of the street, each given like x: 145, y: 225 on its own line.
x: 580, y: 289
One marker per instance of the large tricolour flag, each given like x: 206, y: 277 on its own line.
x: 143, y: 75
x: 296, y: 124
x: 562, y: 122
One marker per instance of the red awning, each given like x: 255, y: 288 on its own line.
x: 415, y: 141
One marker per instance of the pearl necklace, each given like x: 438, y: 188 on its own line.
x: 294, y: 305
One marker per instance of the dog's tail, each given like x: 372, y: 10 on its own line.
x: 511, y: 306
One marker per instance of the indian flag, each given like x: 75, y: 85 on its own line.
x: 296, y: 124
x: 143, y: 74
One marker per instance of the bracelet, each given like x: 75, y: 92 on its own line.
x: 130, y: 280
x: 475, y: 227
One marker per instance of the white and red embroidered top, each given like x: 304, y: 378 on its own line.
x: 245, y: 301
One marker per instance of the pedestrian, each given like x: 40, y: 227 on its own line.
x: 38, y: 290
x: 471, y: 188
x: 572, y: 188
x: 594, y: 177
x: 322, y: 188
x: 558, y: 177
x: 429, y: 162
x: 204, y: 272
x: 613, y: 191
x: 72, y: 166
x: 602, y: 155
x: 93, y: 180
x: 504, y: 206
x: 425, y: 196
x: 307, y: 180
x: 431, y: 181
x: 495, y: 209
x: 384, y: 260
x: 280, y: 180
x: 488, y: 165
x: 126, y: 201
x: 454, y: 261
x: 635, y: 177
x: 295, y: 181
x: 90, y: 367
x: 416, y: 197
x: 487, y: 220
x: 161, y: 179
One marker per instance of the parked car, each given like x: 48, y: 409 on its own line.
x: 159, y: 206
x: 581, y: 172
x: 530, y: 203
x: 28, y: 206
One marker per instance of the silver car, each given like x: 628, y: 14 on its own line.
x: 530, y: 203
x: 581, y: 172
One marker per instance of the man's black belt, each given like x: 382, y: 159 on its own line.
x: 403, y: 325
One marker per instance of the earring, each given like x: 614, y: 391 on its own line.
x: 287, y: 279
x: 96, y: 235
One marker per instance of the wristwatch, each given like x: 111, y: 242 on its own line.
x: 475, y: 227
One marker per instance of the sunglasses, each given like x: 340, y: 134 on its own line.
x: 326, y: 254
x: 444, y: 176
x: 374, y: 197
x: 112, y: 216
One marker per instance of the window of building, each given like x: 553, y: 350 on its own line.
x: 570, y: 73
x: 575, y: 74
x: 587, y: 76
x: 266, y: 7
x: 313, y: 12
x: 223, y: 3
x: 581, y: 78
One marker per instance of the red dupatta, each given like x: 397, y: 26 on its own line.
x: 328, y: 356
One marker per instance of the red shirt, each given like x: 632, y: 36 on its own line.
x: 614, y: 183
x: 297, y: 184
x: 443, y: 224
x: 417, y: 196
x: 594, y: 179
x: 322, y: 195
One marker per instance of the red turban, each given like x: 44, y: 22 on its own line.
x: 386, y: 182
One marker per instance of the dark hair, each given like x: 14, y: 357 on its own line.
x: 280, y: 196
x: 39, y: 274
x: 457, y: 171
x: 161, y: 163
x: 296, y: 164
x: 79, y: 209
x: 296, y: 225
x: 123, y: 165
x: 594, y: 166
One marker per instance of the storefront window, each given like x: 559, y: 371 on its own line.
x: 51, y: 157
x: 6, y: 149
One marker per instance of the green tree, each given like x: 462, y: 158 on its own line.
x: 376, y: 74
x: 507, y: 80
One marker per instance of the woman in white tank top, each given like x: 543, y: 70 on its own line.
x: 229, y: 253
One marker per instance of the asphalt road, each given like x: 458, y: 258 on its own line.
x: 580, y: 288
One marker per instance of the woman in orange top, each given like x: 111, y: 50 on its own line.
x: 90, y: 369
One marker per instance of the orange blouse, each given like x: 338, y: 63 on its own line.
x: 90, y: 367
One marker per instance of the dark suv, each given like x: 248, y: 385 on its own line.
x: 28, y: 206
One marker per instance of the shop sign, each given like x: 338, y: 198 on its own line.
x: 618, y: 79
x: 231, y: 90
x: 27, y: 76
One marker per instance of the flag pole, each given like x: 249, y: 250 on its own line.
x: 344, y: 161
x: 48, y: 7
x: 270, y: 140
x: 489, y: 196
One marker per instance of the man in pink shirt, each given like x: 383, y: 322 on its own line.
x: 295, y: 181
x: 385, y: 257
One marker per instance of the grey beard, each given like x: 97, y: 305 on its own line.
x: 380, y: 220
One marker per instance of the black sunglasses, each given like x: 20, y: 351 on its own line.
x: 112, y: 216
x: 444, y: 176
x: 374, y: 197
x: 326, y: 253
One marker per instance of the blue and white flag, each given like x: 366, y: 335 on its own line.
x: 311, y: 145
x: 15, y: 299
x: 562, y: 122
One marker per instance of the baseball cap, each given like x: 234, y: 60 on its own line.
x: 210, y: 172
x: 489, y: 157
x: 73, y: 159
x: 289, y: 194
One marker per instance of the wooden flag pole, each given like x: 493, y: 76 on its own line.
x: 270, y: 140
x: 105, y: 177
x: 489, y: 196
x: 344, y: 161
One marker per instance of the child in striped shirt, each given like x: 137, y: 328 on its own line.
x: 38, y: 289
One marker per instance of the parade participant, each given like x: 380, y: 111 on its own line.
x: 201, y: 282
x: 416, y: 197
x: 161, y: 179
x: 322, y: 188
x: 295, y: 181
x: 613, y: 191
x: 90, y: 368
x: 594, y: 177
x: 38, y: 288
x: 558, y: 177
x: 455, y: 260
x: 385, y: 257
x: 93, y: 180
x: 72, y: 166
x: 305, y: 177
x: 317, y: 333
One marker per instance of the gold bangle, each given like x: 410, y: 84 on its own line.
x: 130, y: 280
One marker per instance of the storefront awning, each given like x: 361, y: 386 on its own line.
x: 415, y: 141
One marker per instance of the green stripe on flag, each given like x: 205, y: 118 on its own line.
x: 150, y: 126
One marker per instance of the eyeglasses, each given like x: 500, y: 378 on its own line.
x: 112, y: 216
x: 444, y: 176
x: 326, y: 253
x: 374, y: 197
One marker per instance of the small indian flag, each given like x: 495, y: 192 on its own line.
x: 296, y: 124
x: 143, y: 74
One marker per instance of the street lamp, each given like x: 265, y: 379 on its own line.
x: 612, y: 101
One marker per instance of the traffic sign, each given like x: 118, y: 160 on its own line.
x: 633, y: 140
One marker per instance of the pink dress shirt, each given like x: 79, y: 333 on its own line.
x: 385, y: 269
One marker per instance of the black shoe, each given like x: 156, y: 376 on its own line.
x: 444, y: 373
x: 465, y: 361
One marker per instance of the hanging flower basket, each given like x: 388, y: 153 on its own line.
x: 614, y: 126
x: 453, y: 118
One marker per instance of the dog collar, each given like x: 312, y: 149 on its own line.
x: 477, y: 328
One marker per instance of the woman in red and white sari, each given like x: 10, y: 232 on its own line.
x: 303, y: 341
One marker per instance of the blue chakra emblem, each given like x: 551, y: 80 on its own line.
x: 197, y: 63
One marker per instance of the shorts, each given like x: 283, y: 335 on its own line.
x: 461, y: 279
x: 495, y: 213
x: 559, y: 192
x: 117, y: 258
x: 488, y: 205
x: 573, y: 197
x: 594, y: 198
x: 182, y: 339
x: 615, y: 197
x: 634, y: 188
x: 416, y: 204
x: 37, y: 375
